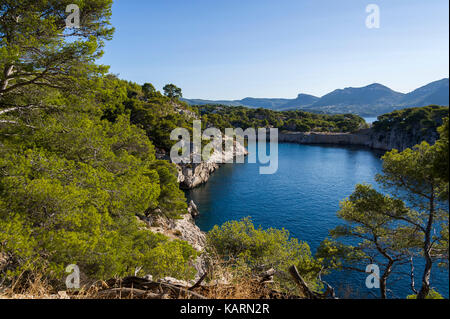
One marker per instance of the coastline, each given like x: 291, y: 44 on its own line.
x: 383, y: 141
x: 191, y: 176
x: 363, y: 138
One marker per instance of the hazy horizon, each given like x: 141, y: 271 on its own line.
x: 284, y: 97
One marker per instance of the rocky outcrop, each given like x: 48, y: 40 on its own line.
x: 184, y: 229
x: 395, y: 138
x: 192, y: 209
x: 400, y: 138
x: 191, y: 175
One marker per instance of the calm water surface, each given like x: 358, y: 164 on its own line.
x: 302, y: 197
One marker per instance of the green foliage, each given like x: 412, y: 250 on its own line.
x: 376, y: 236
x: 418, y: 120
x: 433, y: 294
x: 441, y: 160
x: 148, y: 90
x: 99, y: 245
x: 172, y: 91
x: 222, y: 116
x: 387, y: 230
x: 411, y: 175
x: 74, y: 172
x: 78, y: 165
x: 368, y: 216
x: 241, y: 243
x: 171, y: 198
x: 71, y: 193
x: 158, y: 115
x: 35, y: 56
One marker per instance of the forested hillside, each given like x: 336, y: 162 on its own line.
x: 222, y: 116
x: 424, y: 118
x: 75, y: 173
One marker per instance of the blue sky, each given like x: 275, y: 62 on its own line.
x: 230, y: 49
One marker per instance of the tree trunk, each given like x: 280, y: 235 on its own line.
x: 383, y: 279
x: 425, y: 289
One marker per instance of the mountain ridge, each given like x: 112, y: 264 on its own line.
x: 370, y: 100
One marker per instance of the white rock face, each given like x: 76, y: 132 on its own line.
x: 386, y: 141
x: 192, y: 209
x: 194, y: 174
x: 184, y: 229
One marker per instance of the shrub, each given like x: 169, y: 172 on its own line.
x: 240, y: 243
x: 433, y: 294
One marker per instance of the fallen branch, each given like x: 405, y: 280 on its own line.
x: 199, y: 282
x: 128, y: 292
x: 144, y: 284
x: 330, y: 290
x: 308, y: 293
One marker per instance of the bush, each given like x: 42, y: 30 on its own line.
x: 433, y: 294
x: 240, y: 243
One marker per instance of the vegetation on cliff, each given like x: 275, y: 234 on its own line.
x: 222, y: 116
x: 75, y: 173
x: 425, y: 120
x: 79, y: 178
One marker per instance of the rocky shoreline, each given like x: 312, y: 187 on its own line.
x: 385, y: 141
x: 192, y: 175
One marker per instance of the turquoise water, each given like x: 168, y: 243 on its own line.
x: 302, y: 196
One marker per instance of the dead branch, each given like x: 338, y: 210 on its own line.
x: 199, y: 282
x: 330, y: 290
x: 413, y: 285
x: 144, y: 284
x: 128, y: 293
x: 302, y: 284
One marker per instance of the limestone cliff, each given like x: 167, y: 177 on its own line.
x: 194, y: 174
x: 399, y: 130
x: 183, y: 229
x: 387, y: 140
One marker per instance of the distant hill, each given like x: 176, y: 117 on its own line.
x: 372, y: 100
x: 302, y: 101
x: 433, y: 93
x: 364, y: 100
x: 266, y: 103
x: 248, y: 102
